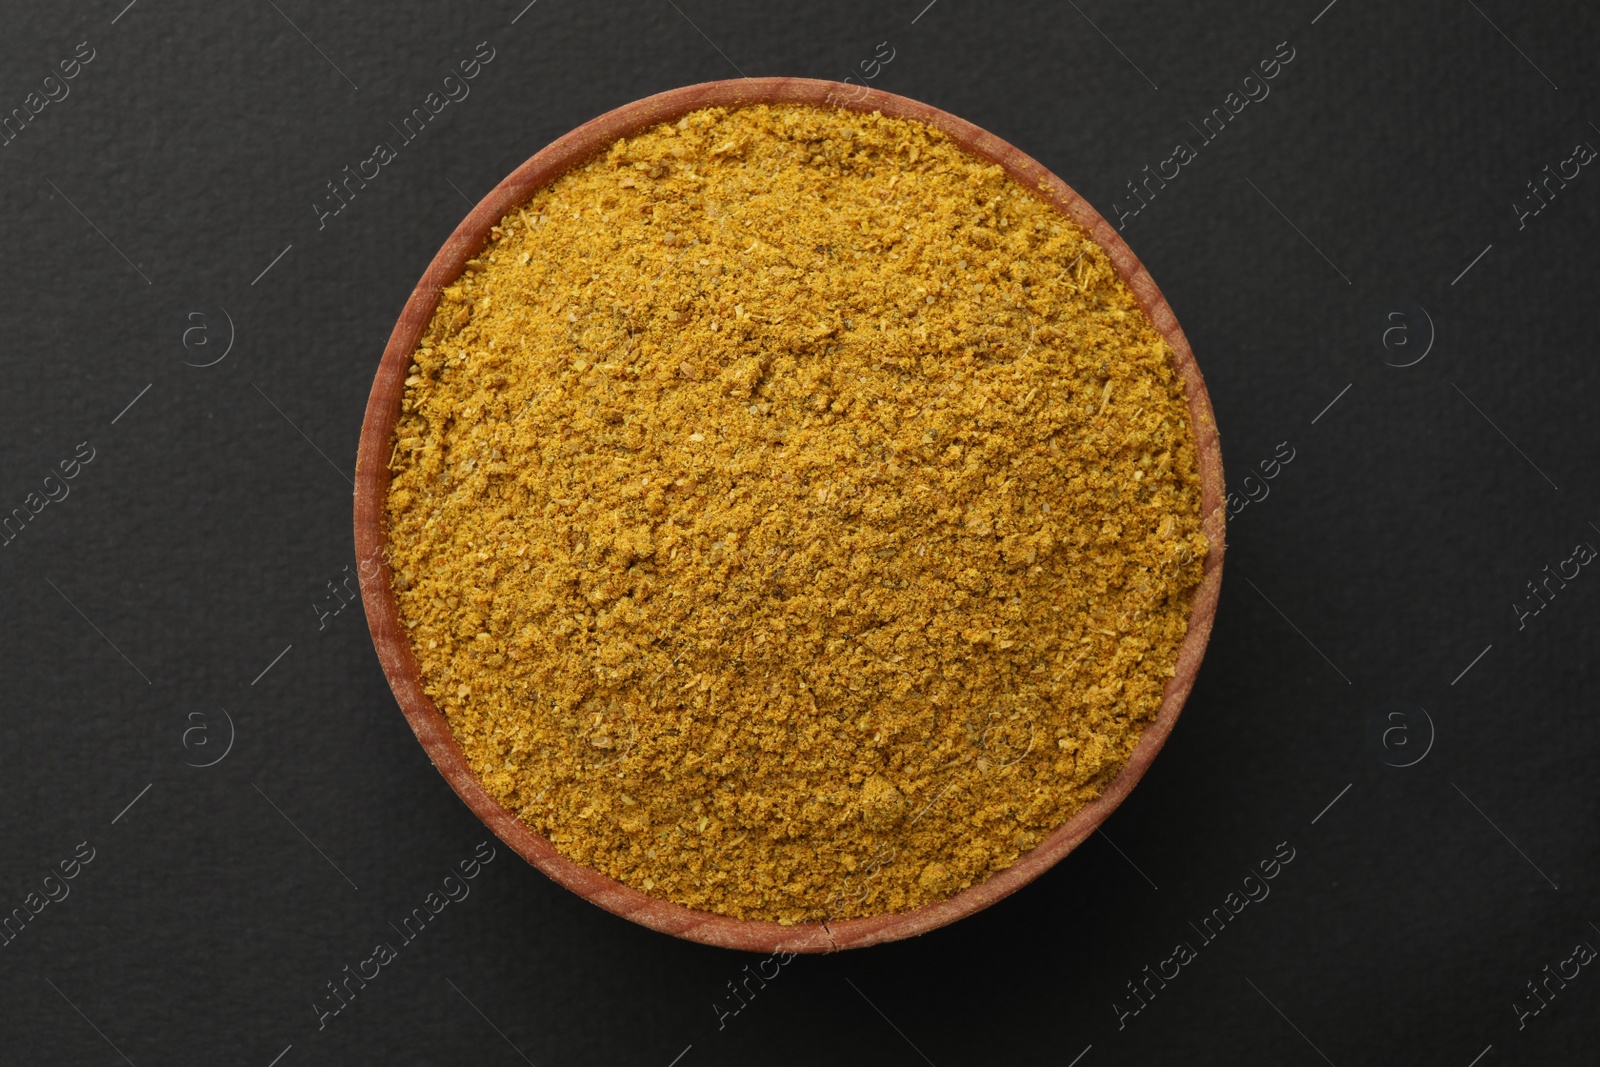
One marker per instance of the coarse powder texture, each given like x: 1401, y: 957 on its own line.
x: 793, y: 516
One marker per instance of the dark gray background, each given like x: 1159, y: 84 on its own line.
x: 193, y: 548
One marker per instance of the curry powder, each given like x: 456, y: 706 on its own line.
x: 793, y: 516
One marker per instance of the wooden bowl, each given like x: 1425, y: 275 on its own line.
x: 394, y: 648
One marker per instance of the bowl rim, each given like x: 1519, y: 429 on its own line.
x: 394, y: 648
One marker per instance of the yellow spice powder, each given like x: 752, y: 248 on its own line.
x: 794, y: 517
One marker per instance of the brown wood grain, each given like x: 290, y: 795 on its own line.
x: 394, y: 648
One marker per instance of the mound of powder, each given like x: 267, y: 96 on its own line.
x: 793, y: 516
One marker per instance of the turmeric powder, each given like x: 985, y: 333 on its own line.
x: 793, y: 516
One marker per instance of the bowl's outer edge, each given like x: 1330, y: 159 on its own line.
x: 394, y: 649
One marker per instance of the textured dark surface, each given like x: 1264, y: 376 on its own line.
x: 198, y: 542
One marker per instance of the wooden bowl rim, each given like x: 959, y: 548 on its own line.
x: 394, y: 648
